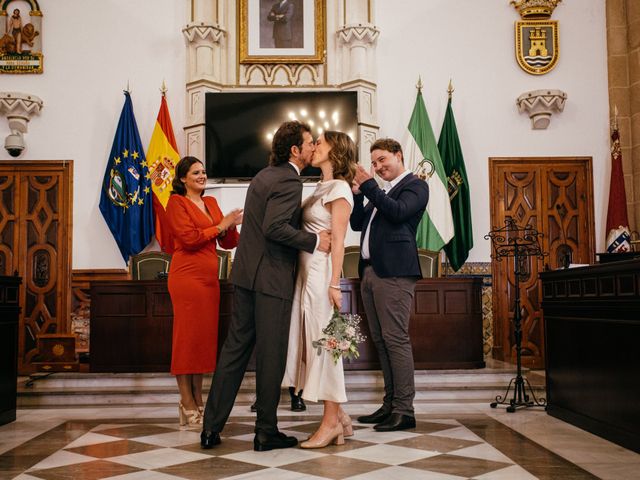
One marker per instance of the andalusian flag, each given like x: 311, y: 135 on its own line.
x: 162, y: 158
x: 449, y: 145
x: 436, y: 228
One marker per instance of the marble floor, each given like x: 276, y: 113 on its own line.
x: 451, y: 441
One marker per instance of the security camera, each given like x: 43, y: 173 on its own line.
x: 14, y: 144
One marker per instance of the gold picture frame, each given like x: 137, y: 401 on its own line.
x: 281, y: 31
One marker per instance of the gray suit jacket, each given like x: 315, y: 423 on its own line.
x: 270, y: 238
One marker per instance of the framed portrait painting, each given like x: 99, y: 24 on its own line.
x: 281, y: 31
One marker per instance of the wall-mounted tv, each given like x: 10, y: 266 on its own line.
x: 239, y: 126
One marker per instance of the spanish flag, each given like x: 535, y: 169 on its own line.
x: 162, y: 158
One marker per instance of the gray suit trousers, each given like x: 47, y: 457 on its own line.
x: 387, y: 303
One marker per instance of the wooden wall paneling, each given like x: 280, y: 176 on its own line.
x: 555, y: 196
x: 81, y: 300
x: 38, y: 234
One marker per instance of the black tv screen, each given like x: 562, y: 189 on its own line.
x: 239, y: 126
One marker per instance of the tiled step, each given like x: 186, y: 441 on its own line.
x: 74, y: 389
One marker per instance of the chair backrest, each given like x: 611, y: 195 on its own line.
x: 224, y: 264
x: 350, y: 261
x: 429, y: 263
x: 149, y: 265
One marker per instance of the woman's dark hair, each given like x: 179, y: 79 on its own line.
x: 288, y: 135
x: 181, y: 171
x: 343, y: 155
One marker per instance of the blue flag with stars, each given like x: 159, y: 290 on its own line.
x: 125, y: 201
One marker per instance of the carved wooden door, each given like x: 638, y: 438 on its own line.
x: 35, y: 241
x: 555, y: 196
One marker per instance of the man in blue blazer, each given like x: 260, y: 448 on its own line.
x: 389, y: 269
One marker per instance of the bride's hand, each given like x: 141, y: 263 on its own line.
x: 335, y: 298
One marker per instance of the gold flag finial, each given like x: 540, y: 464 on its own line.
x: 450, y: 89
x: 163, y: 88
x: 419, y: 84
x: 127, y: 90
x: 615, y: 117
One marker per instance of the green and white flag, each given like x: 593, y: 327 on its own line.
x: 436, y: 228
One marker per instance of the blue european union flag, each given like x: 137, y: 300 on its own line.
x: 125, y: 201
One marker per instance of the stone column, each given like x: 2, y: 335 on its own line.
x: 205, y: 37
x: 356, y: 42
x: 623, y: 52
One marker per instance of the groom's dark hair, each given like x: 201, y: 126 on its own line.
x: 288, y: 135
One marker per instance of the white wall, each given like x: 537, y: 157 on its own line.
x: 472, y: 42
x: 93, y: 48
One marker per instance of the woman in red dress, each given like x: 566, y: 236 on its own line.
x: 198, y: 226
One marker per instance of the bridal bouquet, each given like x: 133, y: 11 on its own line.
x: 342, y: 336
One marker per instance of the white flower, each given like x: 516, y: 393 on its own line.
x: 350, y: 332
x: 345, y: 345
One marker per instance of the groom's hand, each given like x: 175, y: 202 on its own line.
x: 325, y: 241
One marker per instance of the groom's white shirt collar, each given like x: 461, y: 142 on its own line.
x: 389, y: 185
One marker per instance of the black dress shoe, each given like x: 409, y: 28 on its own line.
x: 209, y: 439
x: 396, y: 421
x: 254, y: 407
x: 297, y: 403
x: 378, y: 416
x: 263, y: 442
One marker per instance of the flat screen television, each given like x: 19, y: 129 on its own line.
x: 239, y: 126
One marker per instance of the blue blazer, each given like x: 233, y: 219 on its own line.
x: 392, y: 237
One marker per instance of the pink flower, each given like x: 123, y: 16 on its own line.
x: 345, y: 345
x: 332, y: 343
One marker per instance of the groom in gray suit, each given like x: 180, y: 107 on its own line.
x: 264, y: 277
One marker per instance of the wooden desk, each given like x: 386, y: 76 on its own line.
x: 592, y: 325
x: 9, y: 314
x: 131, y: 324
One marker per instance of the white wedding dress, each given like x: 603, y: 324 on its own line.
x: 317, y: 375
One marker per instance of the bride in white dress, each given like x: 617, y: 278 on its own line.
x: 318, y: 289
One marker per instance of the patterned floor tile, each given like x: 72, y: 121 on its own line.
x: 112, y: 449
x: 133, y: 431
x: 444, y: 448
x: 404, y: 473
x: 334, y: 467
x: 455, y: 465
x: 388, y: 454
x: 153, y: 459
x: 176, y: 438
x: 434, y: 443
x: 212, y: 468
x: 95, y: 470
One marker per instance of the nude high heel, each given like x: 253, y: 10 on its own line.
x: 188, y: 417
x: 347, y: 425
x: 335, y: 436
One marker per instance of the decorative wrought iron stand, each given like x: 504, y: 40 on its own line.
x: 521, y: 243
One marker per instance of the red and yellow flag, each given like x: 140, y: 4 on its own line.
x: 162, y: 158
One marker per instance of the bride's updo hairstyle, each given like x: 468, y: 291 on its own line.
x: 343, y: 155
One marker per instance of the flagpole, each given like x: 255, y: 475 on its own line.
x: 450, y: 90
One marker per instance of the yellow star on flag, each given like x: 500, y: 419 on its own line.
x: 147, y: 175
x: 140, y: 201
x: 146, y: 189
x: 125, y: 154
x: 117, y: 160
x: 135, y: 155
